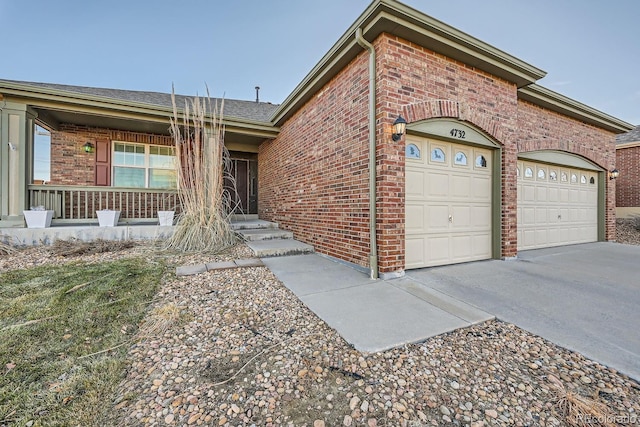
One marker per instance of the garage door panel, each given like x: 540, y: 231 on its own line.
x: 529, y: 237
x: 461, y: 186
x: 438, y: 185
x: 481, y: 188
x: 481, y: 244
x: 541, y: 236
x: 541, y: 216
x: 415, y: 253
x: 414, y: 218
x: 438, y: 250
x: 574, y: 196
x: 541, y: 194
x: 481, y: 217
x: 461, y: 248
x: 416, y: 189
x: 437, y: 218
x: 528, y: 215
x: 563, y: 210
x: 461, y: 216
x: 528, y: 193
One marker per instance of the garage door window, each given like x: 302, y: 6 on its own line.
x: 413, y: 152
x: 528, y: 173
x: 460, y: 159
x: 437, y: 155
x: 481, y: 162
x: 553, y: 176
x: 542, y: 175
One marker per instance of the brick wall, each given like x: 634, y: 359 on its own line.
x: 313, y: 179
x: 540, y: 129
x: 628, y: 183
x: 71, y: 165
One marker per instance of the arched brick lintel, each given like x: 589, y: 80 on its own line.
x: 445, y: 108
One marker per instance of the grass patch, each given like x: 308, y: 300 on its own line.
x: 64, y: 336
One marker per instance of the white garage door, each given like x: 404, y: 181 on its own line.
x: 556, y: 205
x: 448, y: 203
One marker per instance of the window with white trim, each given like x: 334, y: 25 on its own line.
x: 143, y: 166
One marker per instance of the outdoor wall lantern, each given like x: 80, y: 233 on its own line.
x: 399, y: 127
x: 614, y: 174
x: 88, y: 147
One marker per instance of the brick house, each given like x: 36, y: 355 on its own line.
x: 490, y: 162
x: 628, y: 183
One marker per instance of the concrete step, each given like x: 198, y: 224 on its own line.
x: 243, y: 217
x: 253, y: 224
x: 279, y: 247
x: 265, y: 234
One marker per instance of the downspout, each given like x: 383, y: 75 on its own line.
x: 373, y: 254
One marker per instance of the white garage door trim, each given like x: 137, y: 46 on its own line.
x: 448, y: 202
x: 557, y: 204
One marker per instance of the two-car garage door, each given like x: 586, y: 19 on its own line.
x: 557, y: 205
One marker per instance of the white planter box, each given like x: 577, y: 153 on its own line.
x: 165, y: 217
x: 108, y: 218
x: 38, y: 219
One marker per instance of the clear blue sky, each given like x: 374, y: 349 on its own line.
x: 588, y: 48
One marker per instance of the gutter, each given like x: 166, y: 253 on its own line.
x: 373, y: 254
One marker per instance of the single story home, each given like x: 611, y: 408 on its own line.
x: 628, y: 184
x: 489, y: 163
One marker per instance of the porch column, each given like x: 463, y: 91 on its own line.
x: 16, y: 155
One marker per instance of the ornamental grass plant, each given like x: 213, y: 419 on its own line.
x: 205, y: 185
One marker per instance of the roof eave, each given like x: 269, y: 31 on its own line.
x: 554, y: 101
x: 390, y: 16
x: 627, y: 145
x: 46, y: 97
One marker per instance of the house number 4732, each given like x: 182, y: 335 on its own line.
x: 457, y: 133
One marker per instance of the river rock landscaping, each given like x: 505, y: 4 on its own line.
x: 236, y: 348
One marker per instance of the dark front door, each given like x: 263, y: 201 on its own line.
x: 245, y: 196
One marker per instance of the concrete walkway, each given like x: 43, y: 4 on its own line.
x: 584, y: 298
x: 372, y: 315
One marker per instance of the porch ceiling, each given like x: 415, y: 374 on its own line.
x: 52, y: 118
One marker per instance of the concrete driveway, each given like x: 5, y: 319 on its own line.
x: 584, y: 297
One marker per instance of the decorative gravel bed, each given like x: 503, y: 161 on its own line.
x: 239, y: 349
x: 626, y: 231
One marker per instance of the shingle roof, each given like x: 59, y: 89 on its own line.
x: 249, y: 110
x: 632, y: 136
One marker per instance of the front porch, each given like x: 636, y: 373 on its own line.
x: 102, y: 140
x: 79, y: 204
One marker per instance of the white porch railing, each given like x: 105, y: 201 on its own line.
x: 77, y: 203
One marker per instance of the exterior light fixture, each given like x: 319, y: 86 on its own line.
x: 88, y: 147
x: 614, y: 174
x: 399, y: 127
